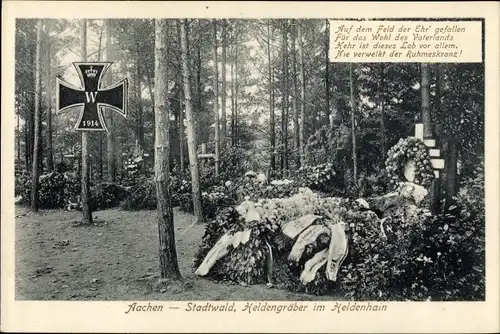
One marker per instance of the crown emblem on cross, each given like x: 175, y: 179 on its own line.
x: 91, y: 72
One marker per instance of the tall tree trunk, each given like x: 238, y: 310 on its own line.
x: 294, y: 100
x: 38, y: 125
x: 429, y: 132
x: 223, y: 88
x: 48, y: 80
x: 426, y: 112
x: 327, y: 72
x: 302, y: 96
x: 111, y: 142
x: 353, y: 125
x: 284, y: 116
x: 181, y: 107
x: 272, y: 122
x: 233, y: 130
x: 31, y: 108
x: 86, y: 211
x: 138, y: 98
x: 216, y: 102
x: 191, y: 134
x: 236, y: 90
x: 200, y: 132
x: 101, y: 135
x: 169, y: 267
x: 453, y: 143
x: 451, y: 172
x: 382, y: 113
x: 18, y: 143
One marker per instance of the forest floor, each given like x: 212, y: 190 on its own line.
x: 114, y: 259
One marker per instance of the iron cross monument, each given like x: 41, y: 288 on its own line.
x: 92, y: 97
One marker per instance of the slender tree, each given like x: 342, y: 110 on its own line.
x: 425, y: 86
x: 30, y: 126
x: 101, y: 135
x: 452, y: 144
x: 87, y: 213
x: 296, y: 132
x: 216, y: 101
x: 181, y: 106
x: 353, y: 125
x: 111, y: 141
x: 302, y: 94
x: 233, y: 115
x: 272, y: 122
x: 169, y: 267
x: 223, y: 83
x: 429, y: 131
x: 327, y: 71
x: 284, y: 115
x: 200, y: 131
x: 236, y: 87
x: 18, y: 141
x: 382, y: 112
x: 37, y: 119
x: 48, y: 80
x: 191, y: 134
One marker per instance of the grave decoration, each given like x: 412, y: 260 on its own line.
x: 414, y: 159
x: 409, y: 160
x: 299, y: 242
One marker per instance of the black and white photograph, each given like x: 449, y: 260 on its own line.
x: 214, y: 160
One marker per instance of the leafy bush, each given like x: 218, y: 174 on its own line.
x: 212, y: 201
x: 329, y: 145
x: 55, y: 189
x: 180, y: 184
x: 372, y: 184
x: 107, y: 195
x: 418, y: 255
x: 321, y: 177
x: 141, y: 197
x: 20, y: 185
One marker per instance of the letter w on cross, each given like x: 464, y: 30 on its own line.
x: 93, y: 98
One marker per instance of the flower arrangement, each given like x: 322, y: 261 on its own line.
x: 409, y: 149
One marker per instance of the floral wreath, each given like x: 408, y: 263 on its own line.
x: 409, y: 149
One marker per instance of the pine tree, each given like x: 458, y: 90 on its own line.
x: 169, y: 267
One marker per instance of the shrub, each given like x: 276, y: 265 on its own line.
x: 321, y: 178
x: 55, y: 189
x: 213, y: 200
x: 143, y: 197
x: 419, y: 256
x: 180, y: 184
x: 107, y: 195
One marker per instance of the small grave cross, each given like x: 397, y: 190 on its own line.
x: 93, y: 98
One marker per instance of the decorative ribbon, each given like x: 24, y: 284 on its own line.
x: 337, y: 251
x: 293, y: 228
x: 312, y: 266
x: 220, y: 249
x: 304, y: 239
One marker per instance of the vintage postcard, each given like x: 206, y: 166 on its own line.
x: 250, y: 167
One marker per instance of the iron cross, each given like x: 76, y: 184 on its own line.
x: 93, y: 98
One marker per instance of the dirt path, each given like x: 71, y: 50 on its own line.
x: 112, y: 260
